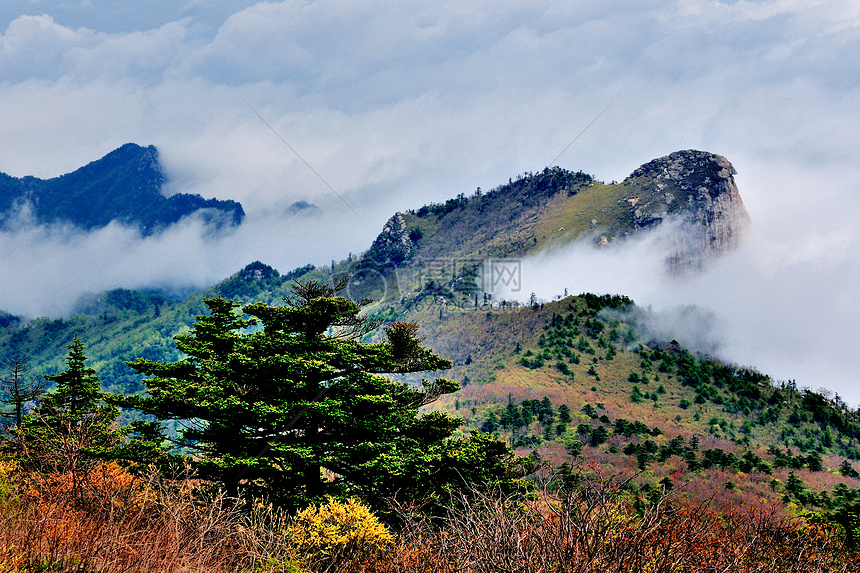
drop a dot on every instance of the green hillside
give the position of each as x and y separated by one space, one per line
576 380
121 325
573 381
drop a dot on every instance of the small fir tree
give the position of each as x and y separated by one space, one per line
72 429
19 388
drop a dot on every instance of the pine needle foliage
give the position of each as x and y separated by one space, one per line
288 403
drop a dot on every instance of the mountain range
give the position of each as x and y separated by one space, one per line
583 379
125 186
555 207
691 195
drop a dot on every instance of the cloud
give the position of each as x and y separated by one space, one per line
114 17
397 104
786 302
37 47
187 255
34 47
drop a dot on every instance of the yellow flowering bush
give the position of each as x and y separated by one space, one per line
337 535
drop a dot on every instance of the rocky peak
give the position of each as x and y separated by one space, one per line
393 245
689 170
697 187
257 271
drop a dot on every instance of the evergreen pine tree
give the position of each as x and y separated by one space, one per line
72 429
846 469
299 409
564 416
491 424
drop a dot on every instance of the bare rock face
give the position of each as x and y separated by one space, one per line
393 244
699 188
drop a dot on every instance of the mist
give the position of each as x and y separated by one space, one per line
48 267
396 105
785 302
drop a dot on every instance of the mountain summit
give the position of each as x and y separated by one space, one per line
696 186
554 207
124 186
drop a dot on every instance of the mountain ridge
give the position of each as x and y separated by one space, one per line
562 379
576 203
549 211
123 186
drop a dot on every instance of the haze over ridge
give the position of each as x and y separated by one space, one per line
402 104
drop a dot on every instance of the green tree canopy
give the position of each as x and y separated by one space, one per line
287 401
72 428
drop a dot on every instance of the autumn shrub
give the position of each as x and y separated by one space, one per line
600 526
584 525
110 521
101 487
337 536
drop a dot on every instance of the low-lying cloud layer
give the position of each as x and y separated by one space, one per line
47 268
785 302
396 104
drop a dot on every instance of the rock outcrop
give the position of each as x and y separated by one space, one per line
698 188
393 244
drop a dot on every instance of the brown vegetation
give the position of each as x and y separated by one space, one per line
594 528
111 521
116 522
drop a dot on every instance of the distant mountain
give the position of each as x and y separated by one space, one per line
123 186
553 208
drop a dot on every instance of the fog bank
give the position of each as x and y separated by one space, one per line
785 302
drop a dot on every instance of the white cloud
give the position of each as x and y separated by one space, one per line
400 103
34 47
144 56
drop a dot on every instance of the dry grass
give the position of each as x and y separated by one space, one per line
120 523
112 521
593 529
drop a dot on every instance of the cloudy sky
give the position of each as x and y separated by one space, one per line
396 104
